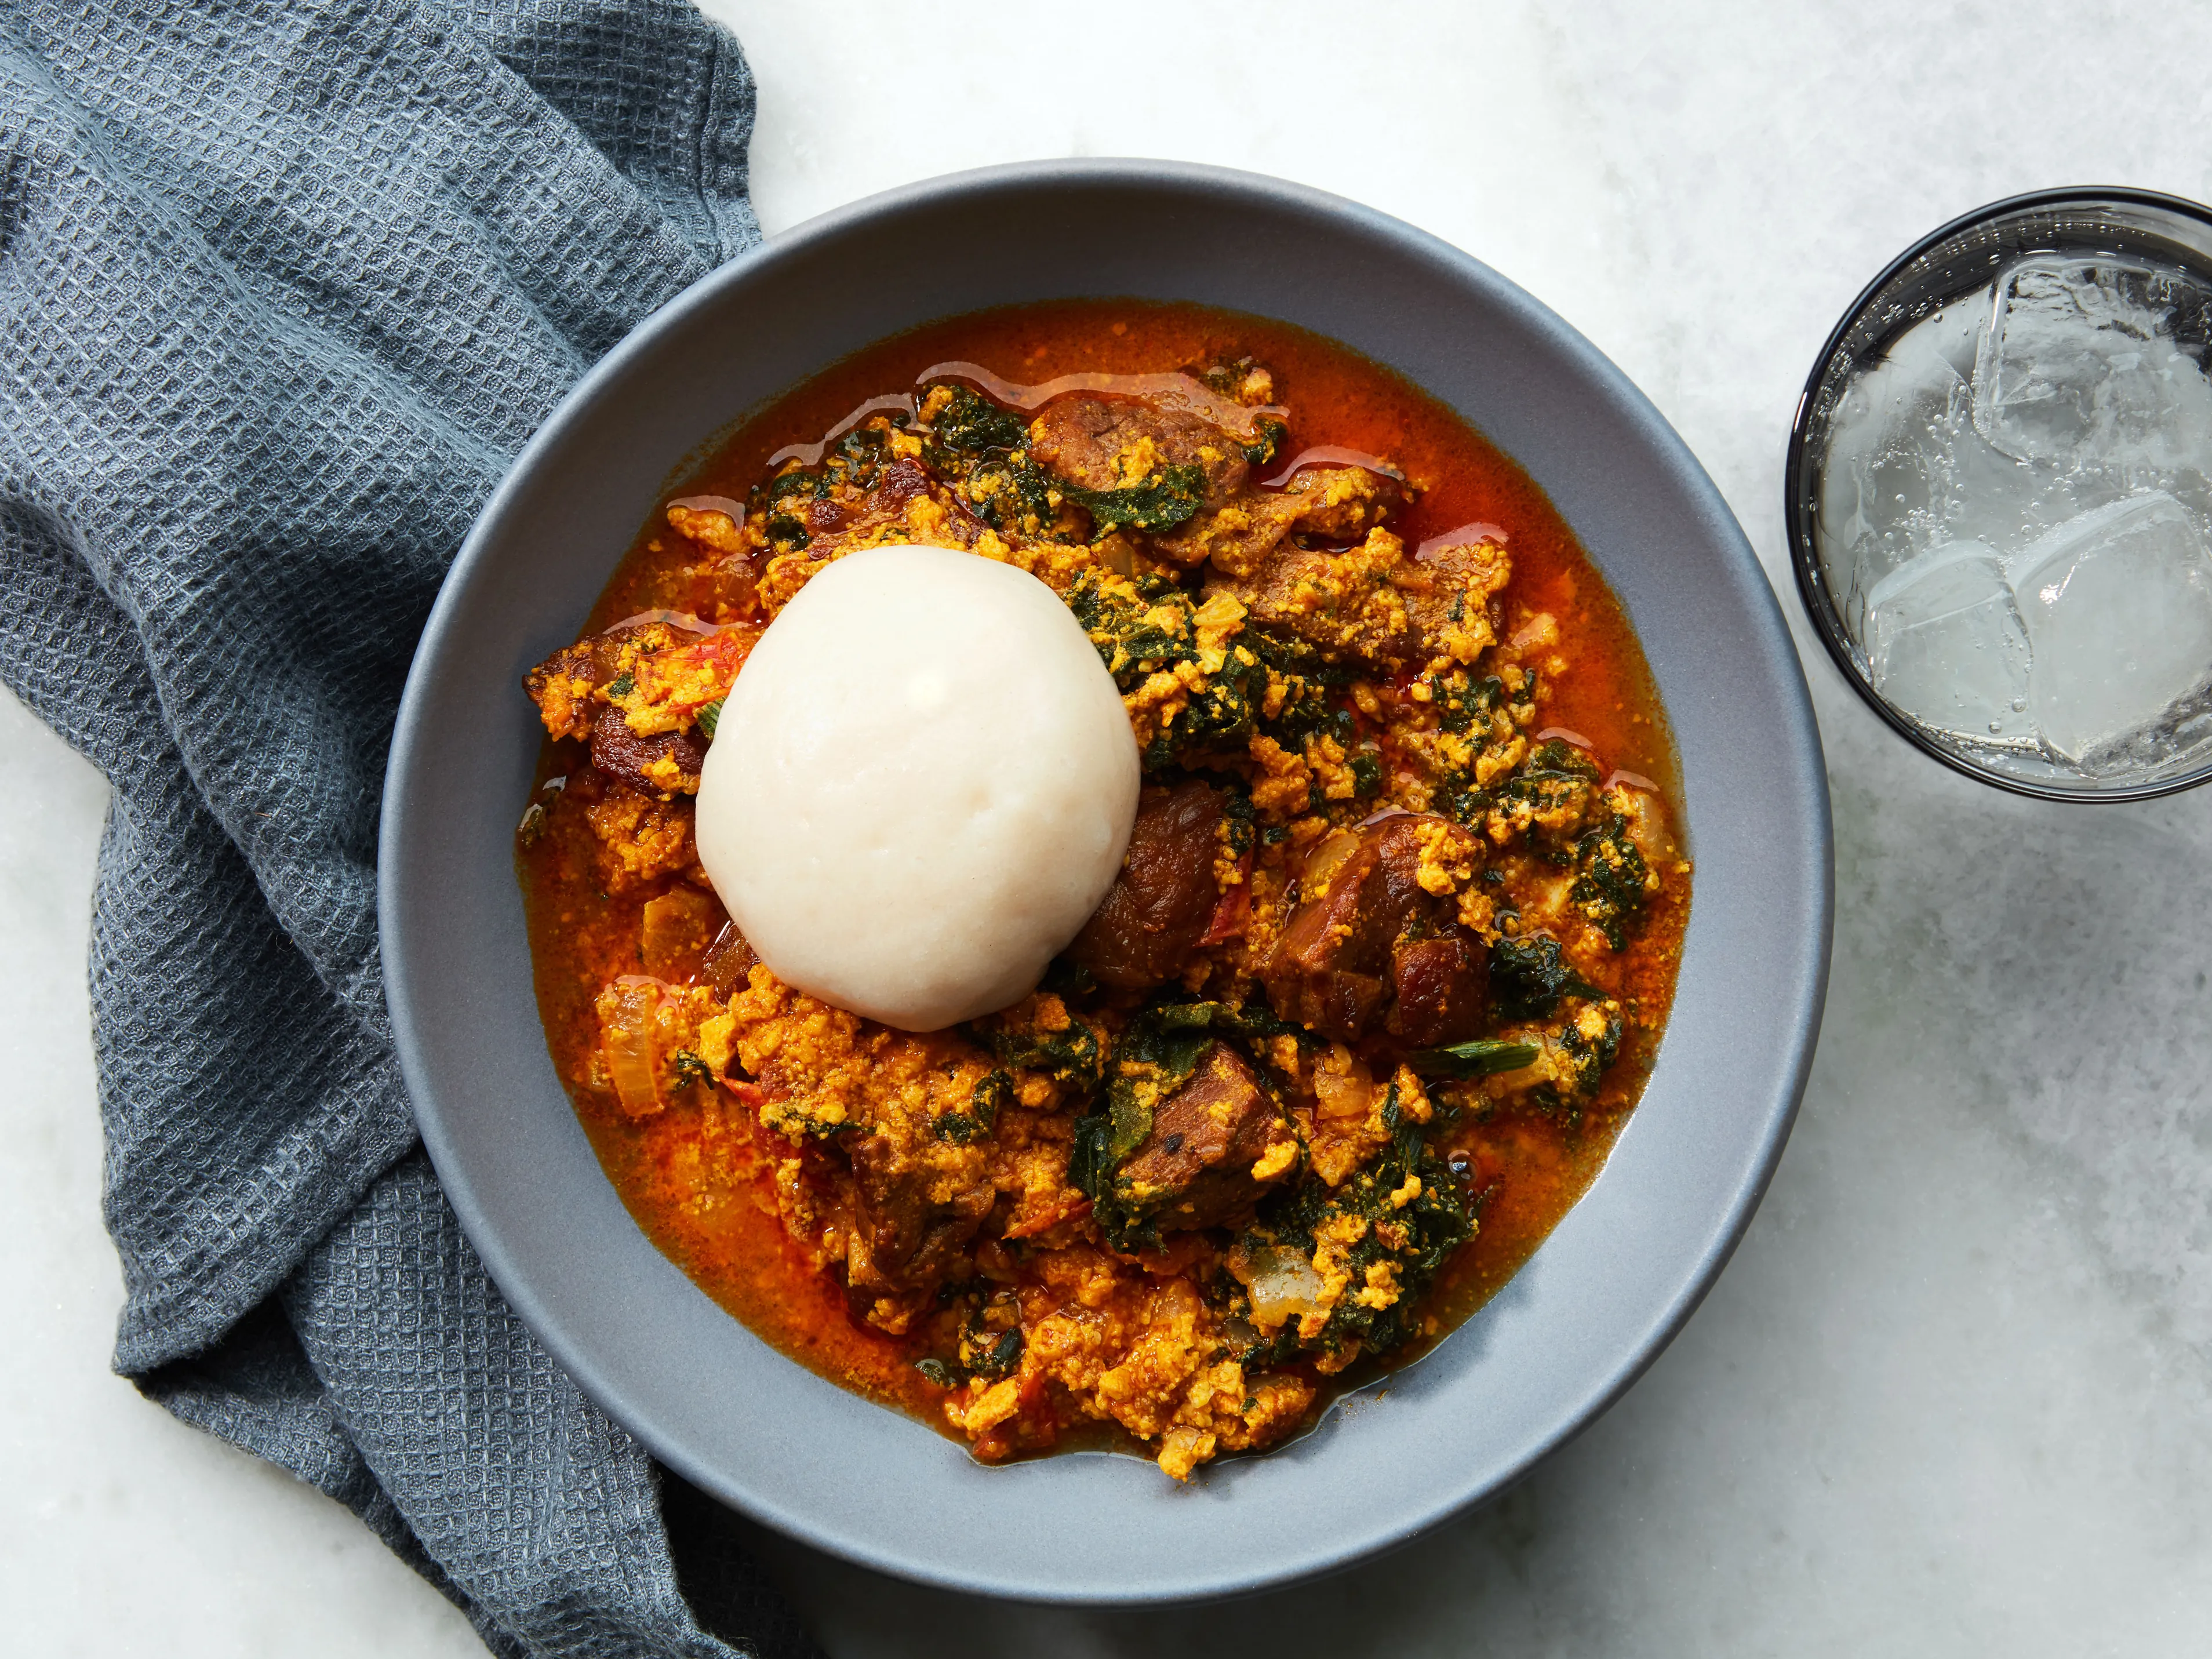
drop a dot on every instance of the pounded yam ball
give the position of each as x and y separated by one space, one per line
919 787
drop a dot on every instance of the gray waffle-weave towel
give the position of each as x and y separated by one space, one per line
286 286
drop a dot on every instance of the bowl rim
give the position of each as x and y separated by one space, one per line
1800 968
1804 548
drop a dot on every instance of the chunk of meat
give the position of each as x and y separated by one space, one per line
1374 602
1380 937
667 763
660 674
913 1219
884 503
729 961
1164 897
1107 443
862 1106
641 838
1326 969
1332 504
902 503
1441 988
1217 1144
563 685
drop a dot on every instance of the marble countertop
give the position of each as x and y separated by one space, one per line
1954 1393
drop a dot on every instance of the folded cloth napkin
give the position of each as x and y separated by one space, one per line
286 286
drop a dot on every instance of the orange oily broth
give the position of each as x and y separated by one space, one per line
698 1185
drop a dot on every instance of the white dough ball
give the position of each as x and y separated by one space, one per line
919 789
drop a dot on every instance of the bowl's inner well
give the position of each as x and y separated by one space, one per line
1612 1282
1563 1002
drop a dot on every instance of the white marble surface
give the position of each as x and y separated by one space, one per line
1955 1395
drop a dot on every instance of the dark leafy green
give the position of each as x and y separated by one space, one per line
1586 1058
1134 642
1610 889
970 424
988 1353
1158 1053
1530 977
1416 1238
1169 498
991 1095
1072 1056
1484 1057
1558 785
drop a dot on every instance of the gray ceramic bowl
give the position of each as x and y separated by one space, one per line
1599 1300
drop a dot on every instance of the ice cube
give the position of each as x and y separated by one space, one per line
2119 608
2079 365
1883 468
1952 333
1904 472
2002 502
1946 645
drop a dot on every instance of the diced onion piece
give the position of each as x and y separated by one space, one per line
1343 1086
630 1040
676 929
1283 1286
1323 862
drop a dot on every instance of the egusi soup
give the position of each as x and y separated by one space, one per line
1372 993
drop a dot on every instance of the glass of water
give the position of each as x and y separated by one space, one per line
1999 494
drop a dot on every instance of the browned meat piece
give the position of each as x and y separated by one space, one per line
1215 1143
1327 969
902 496
663 674
1374 940
1105 443
1442 987
1373 601
562 685
667 763
1159 907
641 838
1333 504
912 1220
854 515
729 961
851 516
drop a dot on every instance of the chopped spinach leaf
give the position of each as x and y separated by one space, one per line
1482 1058
991 1095
1612 886
1072 1056
1528 977
1411 1238
970 424
1170 497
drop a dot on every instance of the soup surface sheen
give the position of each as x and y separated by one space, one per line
1380 980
